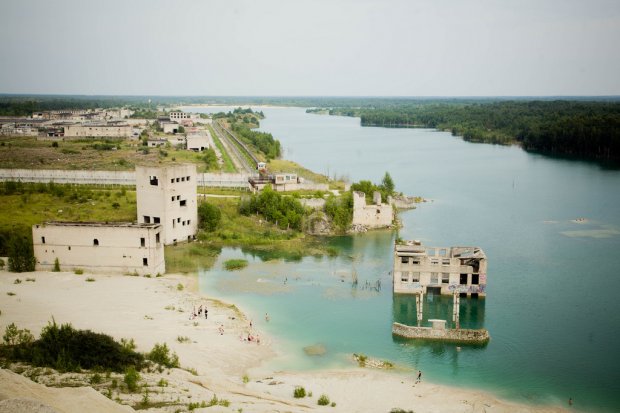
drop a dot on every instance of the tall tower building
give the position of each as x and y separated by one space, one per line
167 196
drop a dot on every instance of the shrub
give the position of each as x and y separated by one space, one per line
78 271
20 253
56 265
180 287
14 336
90 280
299 392
131 379
246 379
95 379
323 400
235 264
161 354
1 264
162 383
183 339
17 281
209 216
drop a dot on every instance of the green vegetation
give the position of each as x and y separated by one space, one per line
235 264
67 349
261 142
162 355
584 129
386 188
323 400
131 379
209 216
56 265
299 392
20 253
285 211
210 159
228 165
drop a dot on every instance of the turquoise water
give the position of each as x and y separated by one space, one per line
552 308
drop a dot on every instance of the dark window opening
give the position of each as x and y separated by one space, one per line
475 279
177 179
95 242
415 262
156 220
42 240
172 199
178 219
463 279
145 261
187 179
189 238
415 277
69 247
174 222
147 219
463 295
182 179
184 202
157 238
474 295
172 181
404 260
445 278
153 180
142 242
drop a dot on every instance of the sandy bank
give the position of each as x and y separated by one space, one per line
155 310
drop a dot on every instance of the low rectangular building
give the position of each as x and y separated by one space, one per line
112 130
375 215
446 270
120 247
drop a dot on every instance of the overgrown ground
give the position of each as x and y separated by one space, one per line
89 154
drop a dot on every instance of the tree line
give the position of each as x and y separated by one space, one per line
584 129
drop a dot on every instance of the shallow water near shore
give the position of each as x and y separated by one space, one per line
552 309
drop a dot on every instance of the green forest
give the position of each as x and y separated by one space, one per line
582 129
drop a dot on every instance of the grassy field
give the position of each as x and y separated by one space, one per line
228 165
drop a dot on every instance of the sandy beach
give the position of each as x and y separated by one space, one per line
157 310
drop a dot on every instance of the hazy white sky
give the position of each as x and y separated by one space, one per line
312 47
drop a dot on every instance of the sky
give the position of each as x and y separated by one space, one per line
311 47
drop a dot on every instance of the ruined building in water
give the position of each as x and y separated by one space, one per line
446 270
375 215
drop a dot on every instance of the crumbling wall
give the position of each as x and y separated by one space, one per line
377 215
428 333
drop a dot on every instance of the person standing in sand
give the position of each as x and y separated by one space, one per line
419 377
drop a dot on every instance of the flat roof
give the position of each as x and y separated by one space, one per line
98 224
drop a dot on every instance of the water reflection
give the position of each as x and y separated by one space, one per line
471 310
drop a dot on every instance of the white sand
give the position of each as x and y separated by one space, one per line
135 307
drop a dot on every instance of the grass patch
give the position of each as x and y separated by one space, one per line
184 339
299 392
323 400
90 279
78 271
235 264
228 165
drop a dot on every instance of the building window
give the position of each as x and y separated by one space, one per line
463 279
142 242
416 262
177 179
446 261
445 278
172 181
475 279
157 238
174 221
178 219
187 179
188 221
95 242
69 247
42 240
404 260
153 180
145 262
404 277
172 199
434 278
442 252
415 277
434 262
147 219
156 220
182 179
183 202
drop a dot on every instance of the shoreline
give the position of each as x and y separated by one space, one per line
156 310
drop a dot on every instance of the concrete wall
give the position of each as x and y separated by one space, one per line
69 177
425 267
454 335
372 216
119 247
168 196
118 131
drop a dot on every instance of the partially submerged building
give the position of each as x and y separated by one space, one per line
446 270
375 215
100 247
167 196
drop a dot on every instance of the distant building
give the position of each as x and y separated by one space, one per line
197 142
156 142
169 127
447 270
111 129
280 182
100 247
376 215
167 196
175 116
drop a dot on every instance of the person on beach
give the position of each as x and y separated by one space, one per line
266 317
570 401
419 377
206 313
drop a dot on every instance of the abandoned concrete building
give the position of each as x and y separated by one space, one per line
167 196
445 270
376 215
98 247
110 129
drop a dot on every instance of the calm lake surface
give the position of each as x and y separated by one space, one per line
552 305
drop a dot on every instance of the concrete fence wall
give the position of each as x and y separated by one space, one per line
112 177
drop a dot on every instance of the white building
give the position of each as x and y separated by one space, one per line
197 142
117 130
446 270
175 116
169 127
375 215
100 247
168 196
